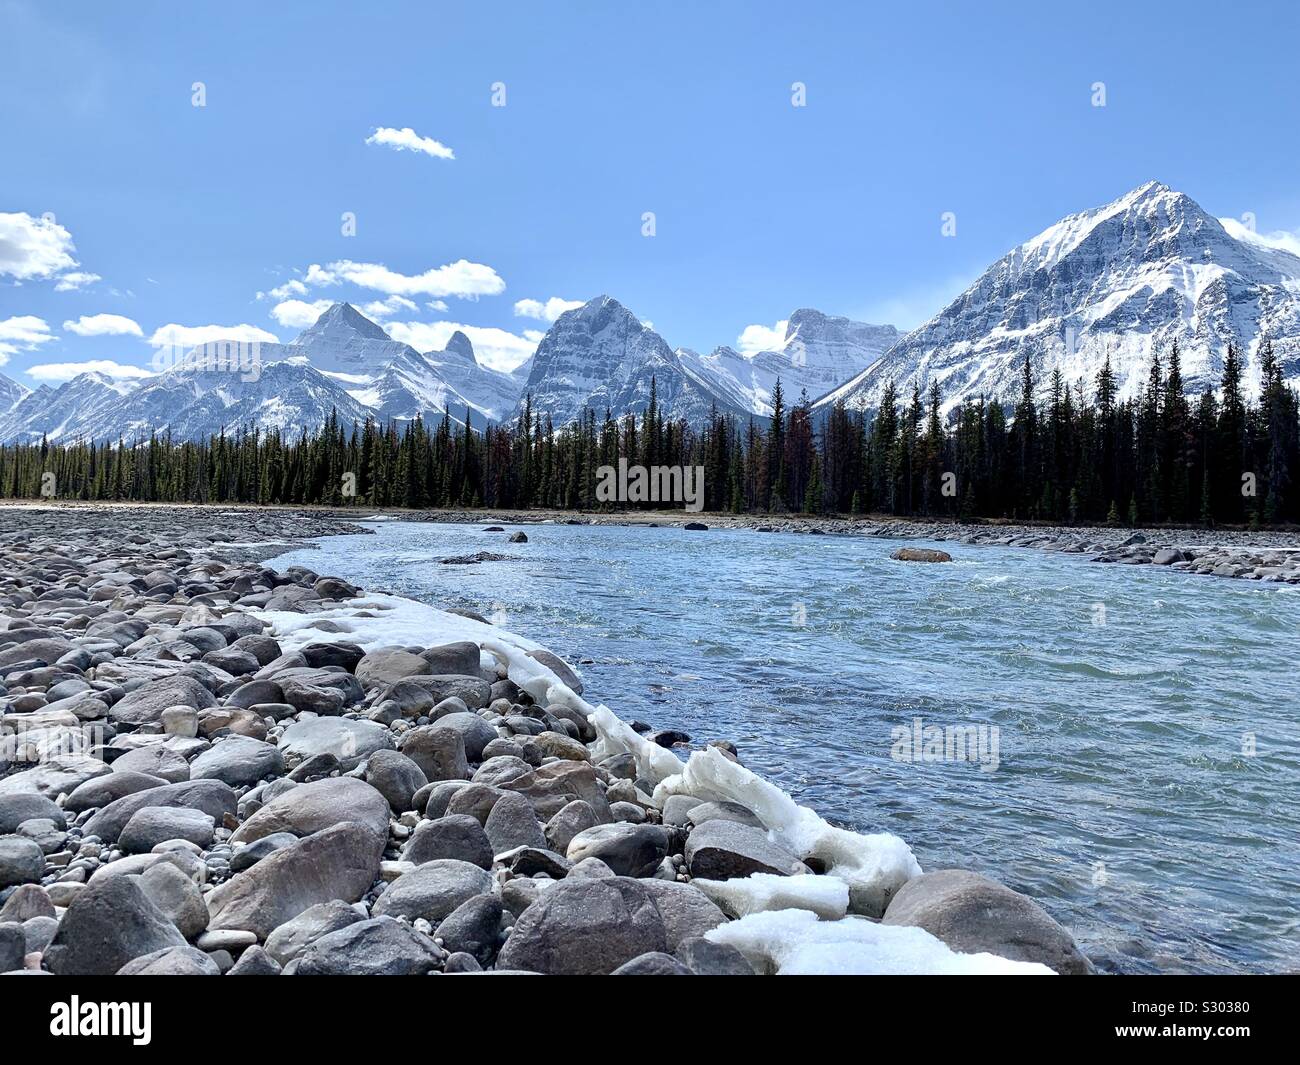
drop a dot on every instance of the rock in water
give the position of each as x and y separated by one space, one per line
920 554
972 913
585 928
109 923
559 667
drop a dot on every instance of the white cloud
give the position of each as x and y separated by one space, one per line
461 278
498 349
99 325
191 336
292 287
34 248
546 312
297 314
386 308
437 305
22 333
756 338
75 280
407 140
66 371
1281 239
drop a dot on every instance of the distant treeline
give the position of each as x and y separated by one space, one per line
1079 456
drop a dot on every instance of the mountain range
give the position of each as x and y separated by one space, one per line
343 363
1117 281
1122 280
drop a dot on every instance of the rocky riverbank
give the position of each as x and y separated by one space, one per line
211 767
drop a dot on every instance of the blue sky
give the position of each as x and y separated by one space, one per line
168 214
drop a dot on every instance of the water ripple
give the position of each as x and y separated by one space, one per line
1145 790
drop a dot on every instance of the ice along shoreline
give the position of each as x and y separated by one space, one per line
205 752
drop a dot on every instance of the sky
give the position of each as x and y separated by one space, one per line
172 173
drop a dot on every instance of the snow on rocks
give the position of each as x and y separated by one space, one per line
874 866
218 767
826 896
798 943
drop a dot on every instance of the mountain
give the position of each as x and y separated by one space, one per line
601 356
394 380
1125 279
818 353
344 363
10 393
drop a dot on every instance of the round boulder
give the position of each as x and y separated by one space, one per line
585 927
433 890
972 913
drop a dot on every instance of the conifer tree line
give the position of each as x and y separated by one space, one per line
1079 455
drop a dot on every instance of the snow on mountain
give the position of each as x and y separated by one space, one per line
601 356
488 391
10 393
1128 278
90 398
819 353
190 402
395 380
343 363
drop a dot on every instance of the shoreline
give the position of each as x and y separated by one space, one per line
1266 555
239 762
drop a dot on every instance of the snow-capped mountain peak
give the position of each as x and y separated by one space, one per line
818 353
11 393
601 356
343 363
343 321
1124 280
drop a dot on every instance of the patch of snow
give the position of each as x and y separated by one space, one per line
826 896
797 943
